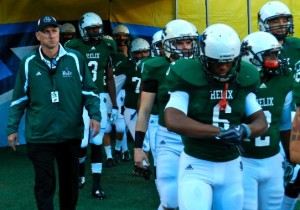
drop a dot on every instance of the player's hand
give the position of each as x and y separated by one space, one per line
140 157
94 127
234 134
13 140
113 115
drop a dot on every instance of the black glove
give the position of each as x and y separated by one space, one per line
234 134
288 171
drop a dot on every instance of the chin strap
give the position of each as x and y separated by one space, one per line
223 102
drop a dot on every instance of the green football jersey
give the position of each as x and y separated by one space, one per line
118 57
271 96
292 50
96 58
188 76
140 66
155 69
132 83
296 85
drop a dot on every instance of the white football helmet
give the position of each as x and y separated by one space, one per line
178 30
107 37
67 28
156 44
260 44
89 20
272 10
220 43
139 45
121 35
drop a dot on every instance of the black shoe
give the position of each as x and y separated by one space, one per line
145 173
126 156
81 182
117 156
98 193
109 163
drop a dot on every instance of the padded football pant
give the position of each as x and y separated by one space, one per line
168 149
42 157
263 183
209 185
96 147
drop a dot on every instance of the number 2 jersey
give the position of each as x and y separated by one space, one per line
204 96
271 96
96 57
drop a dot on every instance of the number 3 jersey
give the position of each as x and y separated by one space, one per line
203 106
96 57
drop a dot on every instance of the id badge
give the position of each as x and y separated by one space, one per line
54 97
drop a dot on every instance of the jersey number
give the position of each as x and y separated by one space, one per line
93 65
138 83
263 141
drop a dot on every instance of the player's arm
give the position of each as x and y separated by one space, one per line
147 99
110 82
285 123
177 120
295 138
256 119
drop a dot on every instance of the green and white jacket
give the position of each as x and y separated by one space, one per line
49 121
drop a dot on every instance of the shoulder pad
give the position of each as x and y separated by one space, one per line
155 68
190 70
110 43
293 41
248 75
73 43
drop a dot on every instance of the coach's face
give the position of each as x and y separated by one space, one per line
49 37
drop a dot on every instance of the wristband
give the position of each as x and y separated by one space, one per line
139 139
248 130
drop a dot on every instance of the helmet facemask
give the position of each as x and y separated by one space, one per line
271 11
90 27
208 63
157 49
282 31
171 48
271 62
139 45
122 39
264 51
95 34
121 35
220 44
174 34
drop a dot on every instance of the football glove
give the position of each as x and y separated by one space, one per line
234 134
113 116
288 171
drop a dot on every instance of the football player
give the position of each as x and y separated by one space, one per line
262 161
156 44
210 99
276 18
97 51
67 32
139 50
179 39
122 37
